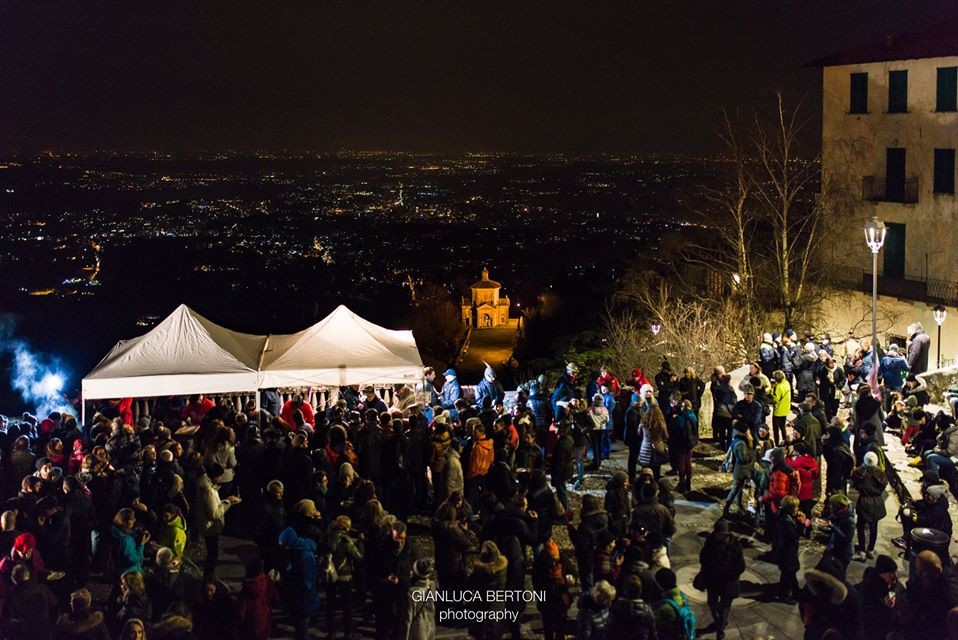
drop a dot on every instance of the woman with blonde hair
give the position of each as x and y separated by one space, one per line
347 551
134 629
692 387
132 603
654 451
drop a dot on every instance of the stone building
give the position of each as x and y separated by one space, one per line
486 308
889 135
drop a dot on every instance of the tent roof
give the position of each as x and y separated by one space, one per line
183 354
341 349
186 354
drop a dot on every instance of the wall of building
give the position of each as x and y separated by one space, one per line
854 145
853 313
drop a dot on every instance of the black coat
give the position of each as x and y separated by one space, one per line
563 458
870 482
452 542
789 531
723 563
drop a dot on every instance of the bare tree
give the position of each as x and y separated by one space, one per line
784 185
693 332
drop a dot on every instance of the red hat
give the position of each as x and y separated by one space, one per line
47 426
24 542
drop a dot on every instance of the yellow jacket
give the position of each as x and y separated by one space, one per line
781 399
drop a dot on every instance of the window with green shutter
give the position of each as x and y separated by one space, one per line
944 170
858 102
947 89
897 91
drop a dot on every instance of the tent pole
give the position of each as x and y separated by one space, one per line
82 414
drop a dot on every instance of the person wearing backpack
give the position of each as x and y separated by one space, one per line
343 552
723 562
740 460
674 619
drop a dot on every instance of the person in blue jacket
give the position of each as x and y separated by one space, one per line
893 369
565 386
489 391
300 580
451 390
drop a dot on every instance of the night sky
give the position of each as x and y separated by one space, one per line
426 76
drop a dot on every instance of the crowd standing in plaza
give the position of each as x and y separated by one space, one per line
113 529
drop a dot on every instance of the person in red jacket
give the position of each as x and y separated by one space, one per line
808 472
606 377
784 481
197 408
255 603
297 403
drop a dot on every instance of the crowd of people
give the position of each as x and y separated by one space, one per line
112 529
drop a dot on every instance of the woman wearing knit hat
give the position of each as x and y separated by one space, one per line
870 482
842 538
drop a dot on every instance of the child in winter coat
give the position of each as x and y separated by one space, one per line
790 523
593 620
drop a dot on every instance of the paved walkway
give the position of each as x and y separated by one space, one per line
754 615
486 345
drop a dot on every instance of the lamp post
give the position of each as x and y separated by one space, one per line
875 238
656 327
940 313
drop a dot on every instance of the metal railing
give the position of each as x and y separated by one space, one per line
913 287
876 189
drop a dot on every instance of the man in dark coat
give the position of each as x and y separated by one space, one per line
749 411
723 563
918 345
563 462
369 448
32 606
880 590
297 470
565 388
392 569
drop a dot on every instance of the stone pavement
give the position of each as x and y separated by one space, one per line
754 615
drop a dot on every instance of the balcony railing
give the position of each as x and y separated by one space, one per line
897 287
876 189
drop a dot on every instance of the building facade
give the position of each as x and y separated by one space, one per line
889 134
486 308
889 139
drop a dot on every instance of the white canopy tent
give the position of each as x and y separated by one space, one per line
187 354
182 355
342 349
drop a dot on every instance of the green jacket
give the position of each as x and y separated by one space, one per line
346 552
781 399
666 621
173 535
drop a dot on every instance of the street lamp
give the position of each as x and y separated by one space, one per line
875 238
656 327
940 313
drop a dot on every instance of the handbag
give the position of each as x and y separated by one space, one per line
699 581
